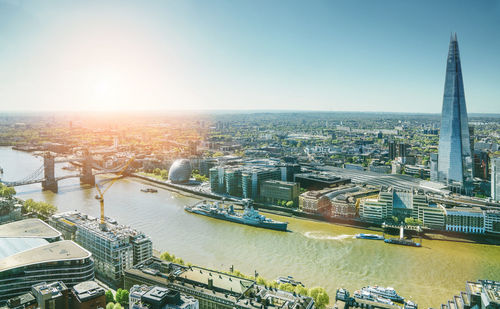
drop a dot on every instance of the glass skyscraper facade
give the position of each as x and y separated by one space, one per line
454 158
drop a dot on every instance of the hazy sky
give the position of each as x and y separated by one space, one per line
274 54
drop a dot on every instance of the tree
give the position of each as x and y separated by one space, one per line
157 171
118 306
286 287
110 305
7 192
124 297
289 204
109 297
167 257
300 289
217 154
164 174
121 296
41 208
321 298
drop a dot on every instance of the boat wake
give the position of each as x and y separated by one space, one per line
322 236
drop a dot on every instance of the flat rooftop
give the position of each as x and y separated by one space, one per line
114 231
34 228
13 245
88 290
219 280
65 250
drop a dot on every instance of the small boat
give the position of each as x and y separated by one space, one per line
369 236
290 280
149 190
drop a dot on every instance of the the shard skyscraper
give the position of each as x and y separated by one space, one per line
454 158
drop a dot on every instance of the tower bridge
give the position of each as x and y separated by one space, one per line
45 174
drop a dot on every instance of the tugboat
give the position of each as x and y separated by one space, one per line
369 236
249 216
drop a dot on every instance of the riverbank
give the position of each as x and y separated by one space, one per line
315 252
353 223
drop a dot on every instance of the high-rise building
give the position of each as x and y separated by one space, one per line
32 252
455 158
495 178
114 249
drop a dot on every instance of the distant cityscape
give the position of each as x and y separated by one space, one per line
419 177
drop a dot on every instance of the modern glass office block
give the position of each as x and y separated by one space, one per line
455 159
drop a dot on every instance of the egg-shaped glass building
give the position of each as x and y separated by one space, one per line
180 171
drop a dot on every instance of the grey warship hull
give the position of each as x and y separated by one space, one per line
273 225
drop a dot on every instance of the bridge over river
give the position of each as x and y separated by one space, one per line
45 174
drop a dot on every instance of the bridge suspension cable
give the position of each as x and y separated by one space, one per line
35 176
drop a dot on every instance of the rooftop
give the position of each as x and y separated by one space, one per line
225 287
88 290
114 231
34 228
465 211
54 288
65 250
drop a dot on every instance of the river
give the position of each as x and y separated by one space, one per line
316 253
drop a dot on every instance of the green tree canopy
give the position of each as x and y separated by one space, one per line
109 297
7 192
41 208
321 298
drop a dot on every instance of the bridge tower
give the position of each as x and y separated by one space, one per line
87 177
49 182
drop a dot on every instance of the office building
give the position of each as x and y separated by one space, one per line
114 249
492 221
23 301
392 150
288 171
495 179
180 171
432 216
318 181
483 294
213 289
88 295
402 204
31 252
315 202
455 157
233 182
274 191
54 295
10 210
241 181
481 164
155 297
402 150
434 167
465 219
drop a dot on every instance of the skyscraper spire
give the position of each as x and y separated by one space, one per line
455 156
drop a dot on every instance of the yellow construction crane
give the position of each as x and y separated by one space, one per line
102 225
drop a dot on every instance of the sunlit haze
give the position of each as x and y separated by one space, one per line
283 55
